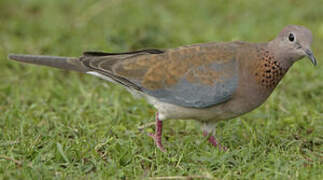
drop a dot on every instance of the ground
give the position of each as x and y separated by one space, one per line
66 125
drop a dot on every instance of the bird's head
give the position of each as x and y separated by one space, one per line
294 43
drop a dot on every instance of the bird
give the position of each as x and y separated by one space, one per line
207 82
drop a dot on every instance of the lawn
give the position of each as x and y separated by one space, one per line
67 125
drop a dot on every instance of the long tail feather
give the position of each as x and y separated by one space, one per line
68 63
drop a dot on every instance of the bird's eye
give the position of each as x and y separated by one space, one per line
291 37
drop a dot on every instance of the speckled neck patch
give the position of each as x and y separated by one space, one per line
269 71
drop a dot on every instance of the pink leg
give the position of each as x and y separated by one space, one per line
213 141
158 134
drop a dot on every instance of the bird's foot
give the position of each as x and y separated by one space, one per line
158 134
158 142
213 141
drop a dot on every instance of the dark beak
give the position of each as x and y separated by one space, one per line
310 55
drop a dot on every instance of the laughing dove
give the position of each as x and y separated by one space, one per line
206 82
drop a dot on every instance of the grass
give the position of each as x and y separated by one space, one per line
65 125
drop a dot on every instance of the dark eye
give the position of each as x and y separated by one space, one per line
291 37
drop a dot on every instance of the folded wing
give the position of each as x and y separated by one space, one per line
197 76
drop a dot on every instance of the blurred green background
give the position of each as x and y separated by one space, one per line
66 125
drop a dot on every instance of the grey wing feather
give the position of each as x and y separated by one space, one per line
198 95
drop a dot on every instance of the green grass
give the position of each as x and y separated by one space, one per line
66 125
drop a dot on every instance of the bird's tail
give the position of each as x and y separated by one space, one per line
68 63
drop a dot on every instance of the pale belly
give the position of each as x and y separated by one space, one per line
216 113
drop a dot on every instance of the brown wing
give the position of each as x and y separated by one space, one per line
192 76
163 70
197 76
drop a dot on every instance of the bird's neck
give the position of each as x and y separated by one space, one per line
270 66
280 53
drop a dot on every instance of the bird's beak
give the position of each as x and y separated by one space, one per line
310 55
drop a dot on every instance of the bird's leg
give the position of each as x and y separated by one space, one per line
210 134
158 134
213 141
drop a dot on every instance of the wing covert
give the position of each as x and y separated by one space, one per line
201 87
